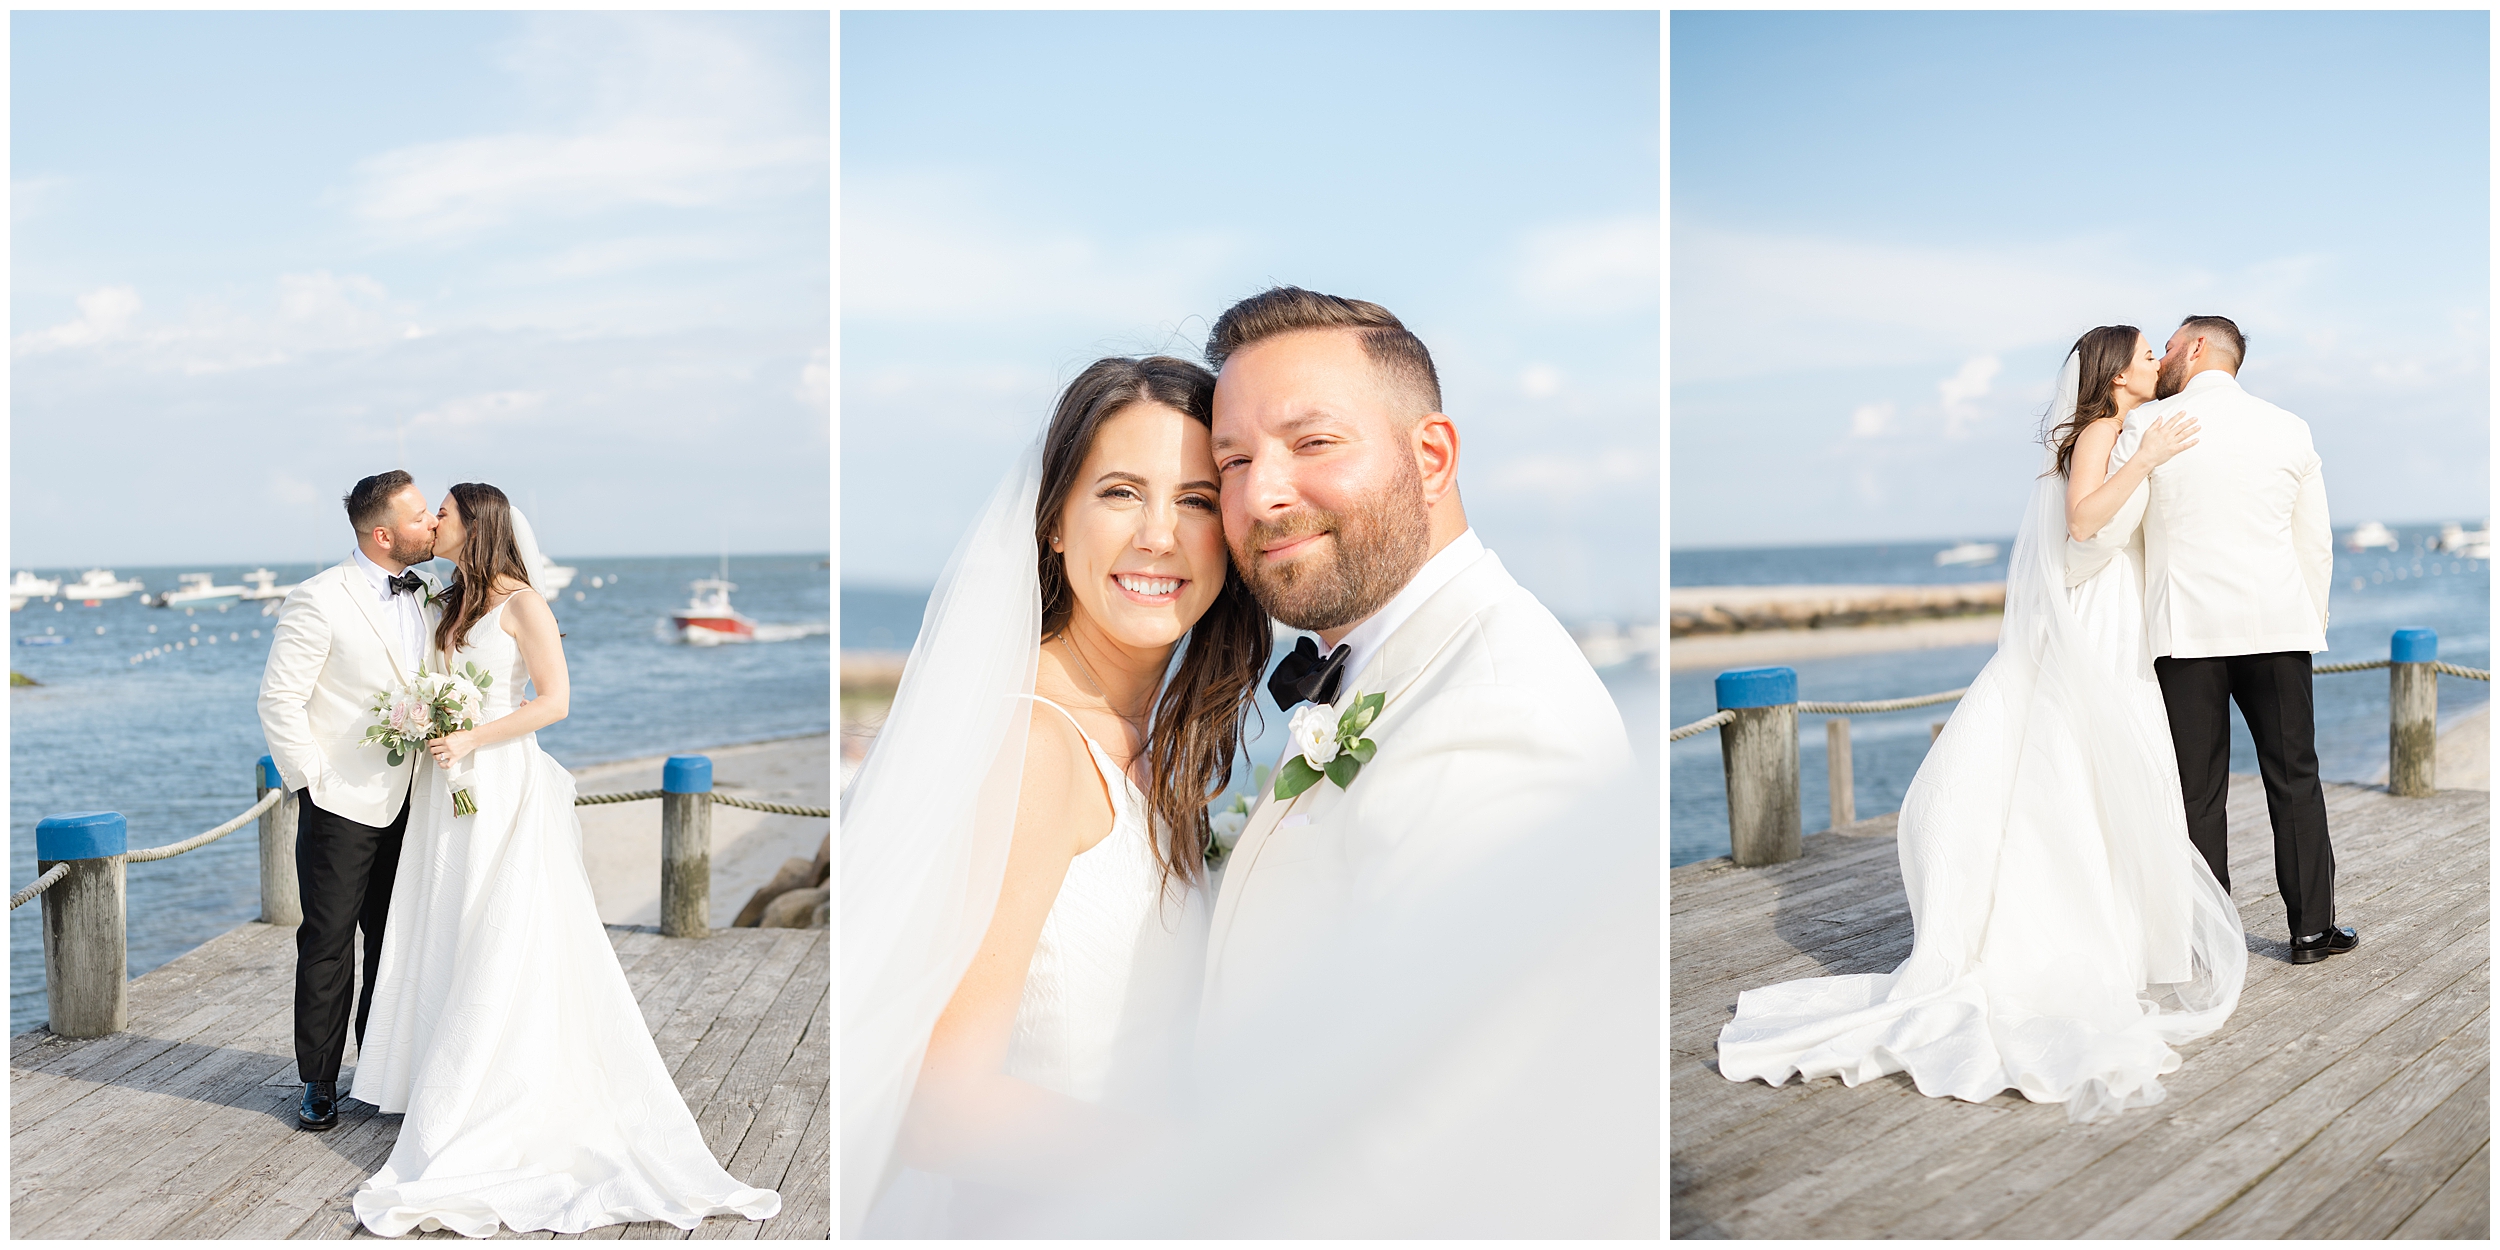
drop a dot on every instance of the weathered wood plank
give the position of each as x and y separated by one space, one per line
2393 1186
2461 1209
188 1131
2375 1044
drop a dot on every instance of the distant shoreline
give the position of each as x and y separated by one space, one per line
1761 646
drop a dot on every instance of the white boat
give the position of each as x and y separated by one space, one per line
1966 553
2456 540
707 618
16 601
2371 534
263 584
96 585
198 590
554 576
28 586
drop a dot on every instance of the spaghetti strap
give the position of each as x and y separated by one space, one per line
1103 763
1080 729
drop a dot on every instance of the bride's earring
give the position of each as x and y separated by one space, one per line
1054 542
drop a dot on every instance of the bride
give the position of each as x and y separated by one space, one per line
2068 935
1022 952
502 1024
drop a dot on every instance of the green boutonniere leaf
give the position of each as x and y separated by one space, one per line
1362 751
1342 769
1295 777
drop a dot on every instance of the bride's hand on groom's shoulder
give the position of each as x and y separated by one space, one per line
2166 438
452 747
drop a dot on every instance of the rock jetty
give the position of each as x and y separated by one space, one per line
1702 610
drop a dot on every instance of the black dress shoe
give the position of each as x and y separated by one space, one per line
2336 941
320 1112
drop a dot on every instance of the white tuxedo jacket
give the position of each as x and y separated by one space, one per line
1492 720
2237 553
316 694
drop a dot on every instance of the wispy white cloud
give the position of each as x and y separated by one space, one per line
1960 392
103 314
657 111
938 247
1600 268
487 408
1872 420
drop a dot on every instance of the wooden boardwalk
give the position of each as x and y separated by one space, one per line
184 1124
2344 1099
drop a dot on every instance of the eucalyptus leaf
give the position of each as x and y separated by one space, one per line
1296 777
395 758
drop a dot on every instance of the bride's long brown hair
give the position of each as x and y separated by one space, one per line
1198 720
2106 352
489 553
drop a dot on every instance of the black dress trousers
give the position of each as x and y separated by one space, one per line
2274 697
343 873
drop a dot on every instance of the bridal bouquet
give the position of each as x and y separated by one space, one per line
437 704
1224 824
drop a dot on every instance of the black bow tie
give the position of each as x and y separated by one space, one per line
407 584
1303 677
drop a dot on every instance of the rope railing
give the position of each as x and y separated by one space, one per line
250 814
779 809
41 884
1758 710
1884 705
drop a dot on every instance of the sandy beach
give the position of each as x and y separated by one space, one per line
621 841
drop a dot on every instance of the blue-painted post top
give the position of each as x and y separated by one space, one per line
269 772
1757 687
82 835
687 774
2414 646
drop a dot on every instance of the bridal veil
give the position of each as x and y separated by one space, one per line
927 822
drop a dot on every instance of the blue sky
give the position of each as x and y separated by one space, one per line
1885 229
256 255
1025 192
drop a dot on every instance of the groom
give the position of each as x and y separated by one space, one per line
345 635
2237 562
1341 506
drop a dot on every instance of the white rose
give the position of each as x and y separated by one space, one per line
1314 730
1227 826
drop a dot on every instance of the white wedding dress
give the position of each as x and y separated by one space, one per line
502 1024
2068 935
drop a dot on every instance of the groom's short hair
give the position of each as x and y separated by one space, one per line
369 504
2220 332
1390 346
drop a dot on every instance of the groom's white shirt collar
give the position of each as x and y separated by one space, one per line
2207 378
1447 563
406 613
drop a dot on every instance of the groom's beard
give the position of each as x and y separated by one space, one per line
2172 379
1374 551
415 553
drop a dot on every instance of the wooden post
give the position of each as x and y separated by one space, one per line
279 903
1844 788
1759 751
686 846
86 962
2412 713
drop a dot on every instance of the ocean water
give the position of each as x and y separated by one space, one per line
170 741
2374 595
885 618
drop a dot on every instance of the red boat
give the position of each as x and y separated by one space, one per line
707 618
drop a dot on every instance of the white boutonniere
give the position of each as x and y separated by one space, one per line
1332 745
